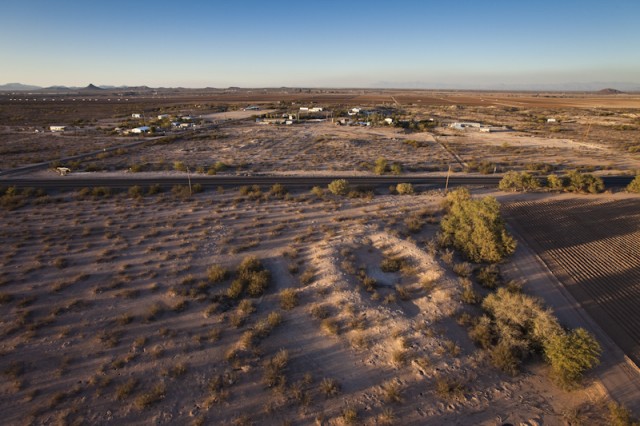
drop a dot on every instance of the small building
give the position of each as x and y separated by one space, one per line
252 108
304 109
388 120
139 130
136 115
315 109
163 116
465 125
551 120
354 111
57 128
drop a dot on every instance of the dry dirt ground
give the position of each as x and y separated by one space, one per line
594 132
108 317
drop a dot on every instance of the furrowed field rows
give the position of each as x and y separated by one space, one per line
593 248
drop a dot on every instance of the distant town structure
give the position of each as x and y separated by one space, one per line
138 130
136 115
57 128
163 116
551 120
252 108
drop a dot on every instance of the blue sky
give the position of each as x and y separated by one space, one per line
321 43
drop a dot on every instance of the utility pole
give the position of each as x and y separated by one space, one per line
446 186
189 178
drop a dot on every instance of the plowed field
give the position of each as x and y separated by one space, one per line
593 247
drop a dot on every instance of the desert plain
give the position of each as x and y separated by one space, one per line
268 304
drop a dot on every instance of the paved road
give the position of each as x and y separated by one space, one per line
86 180
618 374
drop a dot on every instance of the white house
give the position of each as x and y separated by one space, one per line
136 115
304 109
57 128
551 120
388 120
354 111
315 109
138 130
163 116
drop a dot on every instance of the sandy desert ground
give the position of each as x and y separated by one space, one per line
108 316
135 307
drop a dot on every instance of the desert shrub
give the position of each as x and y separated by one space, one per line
518 181
468 294
307 277
101 191
404 189
181 191
522 325
620 416
476 228
217 273
274 319
317 191
448 388
634 186
381 166
179 166
506 357
349 415
578 182
462 269
320 311
235 289
125 389
482 332
136 191
278 190
555 182
403 292
339 187
60 263
246 307
329 387
288 299
488 276
414 223
570 355
330 326
252 276
197 188
391 264
274 369
151 397
392 392
396 168
154 189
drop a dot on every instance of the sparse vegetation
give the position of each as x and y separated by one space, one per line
476 228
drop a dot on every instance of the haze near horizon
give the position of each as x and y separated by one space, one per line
374 44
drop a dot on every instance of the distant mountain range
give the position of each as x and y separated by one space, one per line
602 87
91 87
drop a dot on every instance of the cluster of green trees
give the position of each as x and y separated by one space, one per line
514 326
518 181
475 228
517 326
574 181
